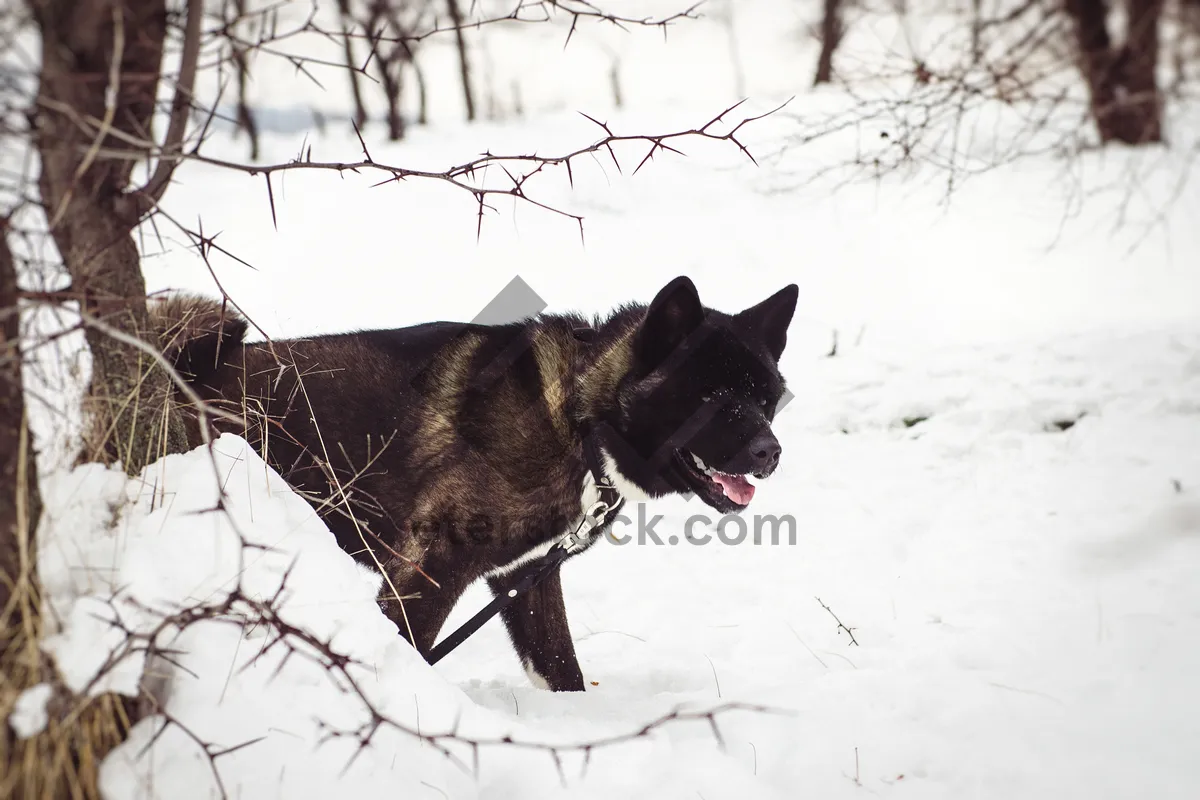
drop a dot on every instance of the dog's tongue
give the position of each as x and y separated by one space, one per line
736 487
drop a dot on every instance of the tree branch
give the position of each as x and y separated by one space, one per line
462 176
181 105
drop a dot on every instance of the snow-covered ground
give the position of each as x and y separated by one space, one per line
995 481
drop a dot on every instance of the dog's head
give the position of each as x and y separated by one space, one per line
694 411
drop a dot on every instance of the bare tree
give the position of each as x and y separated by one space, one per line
1009 81
392 50
726 18
241 62
830 36
1121 81
99 76
19 501
348 24
1190 14
391 28
464 64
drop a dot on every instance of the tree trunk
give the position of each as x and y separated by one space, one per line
1122 88
728 21
464 65
393 86
91 219
1142 101
976 32
19 501
614 80
831 36
245 118
360 110
1191 15
422 97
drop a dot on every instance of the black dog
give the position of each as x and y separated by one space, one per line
456 452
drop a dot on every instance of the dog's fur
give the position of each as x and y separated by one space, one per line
456 452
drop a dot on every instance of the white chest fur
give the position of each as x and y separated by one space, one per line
628 489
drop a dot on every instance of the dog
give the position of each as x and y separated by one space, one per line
445 453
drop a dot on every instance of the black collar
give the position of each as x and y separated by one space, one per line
592 456
591 445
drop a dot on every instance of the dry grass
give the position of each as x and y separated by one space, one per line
102 411
63 760
107 409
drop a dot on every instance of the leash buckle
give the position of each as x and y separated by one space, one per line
592 518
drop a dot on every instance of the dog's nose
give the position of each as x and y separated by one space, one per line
765 450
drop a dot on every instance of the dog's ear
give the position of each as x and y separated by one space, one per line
675 312
769 320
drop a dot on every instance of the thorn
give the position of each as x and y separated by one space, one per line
648 156
271 198
717 732
603 125
479 222
614 158
570 33
358 133
721 116
218 753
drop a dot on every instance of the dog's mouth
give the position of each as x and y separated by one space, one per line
723 491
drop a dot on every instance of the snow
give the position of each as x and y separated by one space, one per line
995 480
177 552
29 717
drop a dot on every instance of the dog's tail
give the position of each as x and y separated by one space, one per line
194 332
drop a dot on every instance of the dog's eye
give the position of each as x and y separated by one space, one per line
706 398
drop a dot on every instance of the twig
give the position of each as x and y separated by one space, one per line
841 627
716 680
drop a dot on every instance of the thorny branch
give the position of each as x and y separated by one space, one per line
237 607
542 11
464 176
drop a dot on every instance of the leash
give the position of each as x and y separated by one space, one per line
599 516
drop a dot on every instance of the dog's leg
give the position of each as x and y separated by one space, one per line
424 615
537 626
